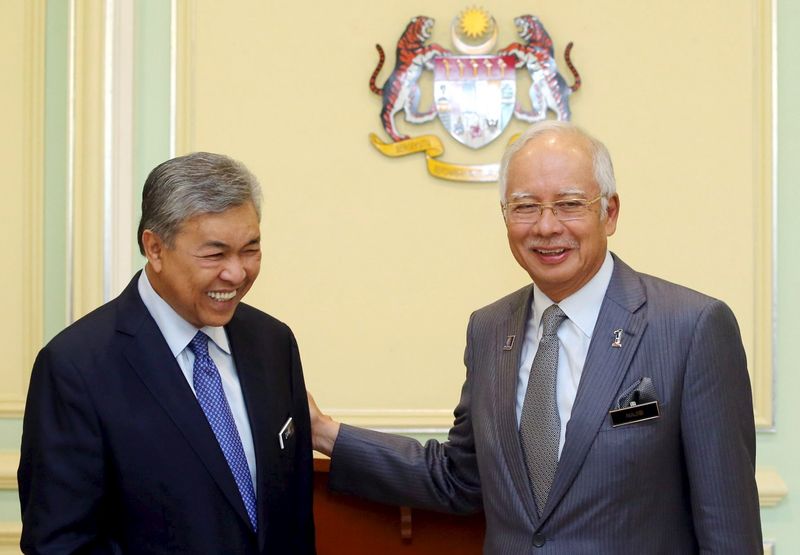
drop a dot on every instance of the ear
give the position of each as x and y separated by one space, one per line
612 214
153 249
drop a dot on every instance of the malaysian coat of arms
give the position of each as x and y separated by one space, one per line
474 93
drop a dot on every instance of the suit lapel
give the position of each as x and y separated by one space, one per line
151 358
508 368
267 406
602 375
262 367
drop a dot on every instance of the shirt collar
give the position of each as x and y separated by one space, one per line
176 331
583 306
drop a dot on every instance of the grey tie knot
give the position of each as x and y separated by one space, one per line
199 345
551 319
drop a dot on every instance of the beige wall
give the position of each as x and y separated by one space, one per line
377 266
21 152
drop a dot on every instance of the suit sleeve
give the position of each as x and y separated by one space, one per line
61 473
401 471
718 433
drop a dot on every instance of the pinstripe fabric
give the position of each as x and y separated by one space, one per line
681 484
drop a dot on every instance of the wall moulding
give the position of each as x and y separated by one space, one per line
8 470
9 538
86 130
764 196
771 486
183 74
425 421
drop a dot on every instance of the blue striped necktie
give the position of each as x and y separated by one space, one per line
211 396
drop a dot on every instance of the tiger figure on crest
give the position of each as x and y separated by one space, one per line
401 89
548 89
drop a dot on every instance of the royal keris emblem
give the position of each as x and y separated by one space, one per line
474 90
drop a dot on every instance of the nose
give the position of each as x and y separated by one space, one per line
548 224
233 271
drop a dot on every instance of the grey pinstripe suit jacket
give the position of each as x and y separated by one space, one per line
683 483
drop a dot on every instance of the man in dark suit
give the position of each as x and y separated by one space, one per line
604 411
174 419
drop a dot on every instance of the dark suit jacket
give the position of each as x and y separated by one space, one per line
680 484
118 457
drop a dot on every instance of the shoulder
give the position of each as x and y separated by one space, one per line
251 314
675 298
511 301
250 321
88 332
88 348
632 290
114 321
503 308
678 309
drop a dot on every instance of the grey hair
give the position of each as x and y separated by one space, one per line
601 159
198 183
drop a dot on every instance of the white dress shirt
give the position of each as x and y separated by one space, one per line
178 333
574 335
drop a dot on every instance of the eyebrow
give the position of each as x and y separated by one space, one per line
223 245
561 194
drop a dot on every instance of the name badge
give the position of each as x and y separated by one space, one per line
633 414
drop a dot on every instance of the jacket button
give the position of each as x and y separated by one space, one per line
538 540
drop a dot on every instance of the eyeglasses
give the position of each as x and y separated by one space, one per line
526 212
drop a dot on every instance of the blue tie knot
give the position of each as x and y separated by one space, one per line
199 345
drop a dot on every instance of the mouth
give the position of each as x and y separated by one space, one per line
222 296
551 255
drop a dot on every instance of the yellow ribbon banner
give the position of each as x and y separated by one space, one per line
476 173
432 146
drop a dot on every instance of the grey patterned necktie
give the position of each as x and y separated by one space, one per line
540 426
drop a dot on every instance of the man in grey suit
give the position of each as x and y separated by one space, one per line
604 411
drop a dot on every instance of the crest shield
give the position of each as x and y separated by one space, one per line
475 96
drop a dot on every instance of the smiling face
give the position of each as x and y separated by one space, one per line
213 262
560 257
